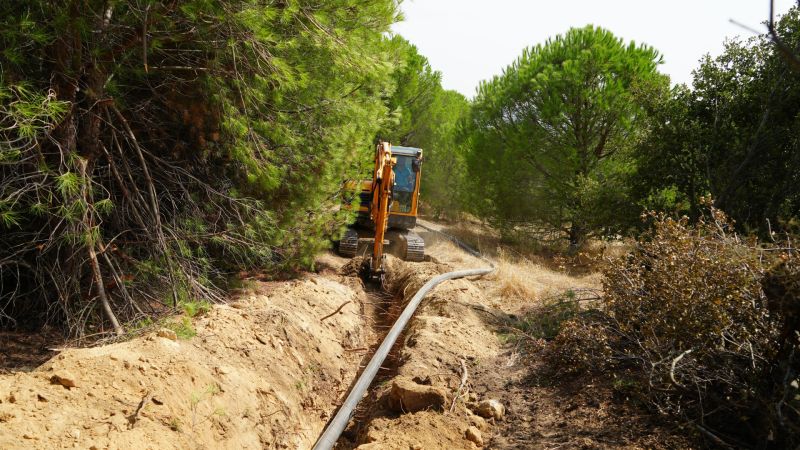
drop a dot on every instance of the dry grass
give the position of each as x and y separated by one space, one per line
520 283
447 252
553 255
477 236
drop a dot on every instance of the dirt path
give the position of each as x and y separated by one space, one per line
427 401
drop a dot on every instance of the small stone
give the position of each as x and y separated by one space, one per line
490 409
75 433
167 334
65 379
474 435
238 305
478 421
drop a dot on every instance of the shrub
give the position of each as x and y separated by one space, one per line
582 345
710 329
160 150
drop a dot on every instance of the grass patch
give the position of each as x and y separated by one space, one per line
544 322
183 328
195 308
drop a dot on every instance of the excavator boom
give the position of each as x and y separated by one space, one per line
381 198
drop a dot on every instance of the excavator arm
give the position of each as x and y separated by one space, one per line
382 187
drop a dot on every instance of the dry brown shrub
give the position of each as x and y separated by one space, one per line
687 308
581 346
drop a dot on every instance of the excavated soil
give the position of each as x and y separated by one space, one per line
263 372
460 327
446 336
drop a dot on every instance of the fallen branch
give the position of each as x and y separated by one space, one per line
135 416
101 290
675 362
90 247
335 312
357 349
464 377
714 438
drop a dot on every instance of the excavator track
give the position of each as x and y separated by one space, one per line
349 243
415 247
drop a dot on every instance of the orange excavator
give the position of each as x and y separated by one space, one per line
387 209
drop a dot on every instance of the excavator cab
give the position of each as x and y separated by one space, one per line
400 190
407 172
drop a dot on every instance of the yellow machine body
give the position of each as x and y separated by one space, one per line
388 206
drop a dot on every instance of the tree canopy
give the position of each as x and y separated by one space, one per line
158 146
734 136
551 137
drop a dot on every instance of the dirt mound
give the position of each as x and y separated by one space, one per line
418 431
264 372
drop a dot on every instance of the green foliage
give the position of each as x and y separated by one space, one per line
213 139
423 114
68 184
551 138
733 135
8 218
196 307
183 328
445 178
545 322
416 89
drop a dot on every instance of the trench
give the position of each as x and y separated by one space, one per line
351 415
382 306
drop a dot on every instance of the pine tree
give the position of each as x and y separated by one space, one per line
151 149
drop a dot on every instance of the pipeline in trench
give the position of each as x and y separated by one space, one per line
339 422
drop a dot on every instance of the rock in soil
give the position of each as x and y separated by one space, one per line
490 409
478 421
65 379
473 434
408 396
167 333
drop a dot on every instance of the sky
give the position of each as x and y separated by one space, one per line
472 40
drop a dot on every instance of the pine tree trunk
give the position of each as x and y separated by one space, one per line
577 236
